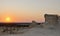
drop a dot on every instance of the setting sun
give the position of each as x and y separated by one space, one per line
8 19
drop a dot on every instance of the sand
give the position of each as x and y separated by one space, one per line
37 32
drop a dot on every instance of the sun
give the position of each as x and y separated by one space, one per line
8 19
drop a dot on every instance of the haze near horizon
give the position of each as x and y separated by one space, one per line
27 10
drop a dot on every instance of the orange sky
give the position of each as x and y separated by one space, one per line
28 10
20 18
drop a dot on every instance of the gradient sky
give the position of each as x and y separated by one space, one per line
28 10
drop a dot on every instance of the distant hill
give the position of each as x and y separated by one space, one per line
15 24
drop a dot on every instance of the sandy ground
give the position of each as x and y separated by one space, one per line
37 32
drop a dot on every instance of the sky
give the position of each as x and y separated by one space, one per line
28 10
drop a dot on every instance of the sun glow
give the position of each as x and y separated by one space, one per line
8 19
